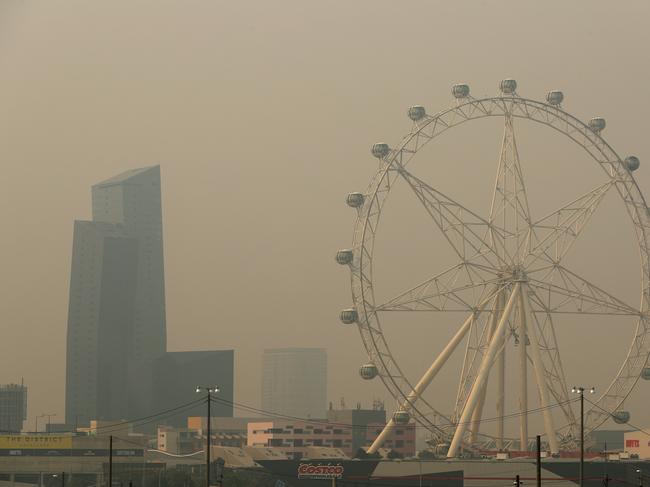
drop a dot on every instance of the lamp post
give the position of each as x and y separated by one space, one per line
581 392
62 478
209 390
638 470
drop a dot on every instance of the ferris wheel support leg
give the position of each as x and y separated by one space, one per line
501 381
482 376
523 379
426 379
540 378
478 412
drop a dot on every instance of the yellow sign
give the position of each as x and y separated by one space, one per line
47 442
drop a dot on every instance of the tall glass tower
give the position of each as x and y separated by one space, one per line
294 382
116 316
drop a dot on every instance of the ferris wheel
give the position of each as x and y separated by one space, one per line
510 282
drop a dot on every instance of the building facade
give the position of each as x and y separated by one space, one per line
294 382
116 315
13 407
637 444
295 437
176 375
117 366
360 421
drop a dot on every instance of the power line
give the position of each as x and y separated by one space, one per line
273 414
647 433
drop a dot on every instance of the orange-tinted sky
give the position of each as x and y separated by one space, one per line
261 115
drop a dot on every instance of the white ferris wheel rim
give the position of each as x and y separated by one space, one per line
468 109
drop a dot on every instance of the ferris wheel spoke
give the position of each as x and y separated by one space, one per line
563 291
469 235
478 340
554 234
459 288
551 360
509 210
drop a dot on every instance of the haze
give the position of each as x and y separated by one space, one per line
261 115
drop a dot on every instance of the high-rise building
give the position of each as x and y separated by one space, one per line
13 407
116 316
176 375
294 382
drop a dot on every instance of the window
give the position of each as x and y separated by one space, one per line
399 443
337 443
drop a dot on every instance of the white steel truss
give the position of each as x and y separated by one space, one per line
510 278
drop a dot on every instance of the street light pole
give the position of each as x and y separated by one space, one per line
209 390
581 392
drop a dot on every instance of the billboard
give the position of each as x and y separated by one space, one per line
25 442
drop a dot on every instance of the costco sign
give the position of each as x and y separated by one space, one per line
318 471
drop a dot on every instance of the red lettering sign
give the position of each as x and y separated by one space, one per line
631 443
311 471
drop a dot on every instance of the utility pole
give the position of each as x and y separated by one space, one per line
110 461
581 392
539 461
209 446
209 390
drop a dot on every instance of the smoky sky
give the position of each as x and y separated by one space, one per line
261 115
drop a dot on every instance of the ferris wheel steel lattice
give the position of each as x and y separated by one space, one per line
510 280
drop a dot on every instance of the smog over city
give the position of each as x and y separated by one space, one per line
418 227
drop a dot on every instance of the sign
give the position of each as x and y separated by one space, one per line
631 443
22 442
319 471
74 452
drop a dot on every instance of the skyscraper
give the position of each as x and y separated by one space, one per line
116 316
177 374
13 407
294 382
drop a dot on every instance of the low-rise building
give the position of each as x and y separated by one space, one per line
179 441
637 443
401 440
225 431
296 437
